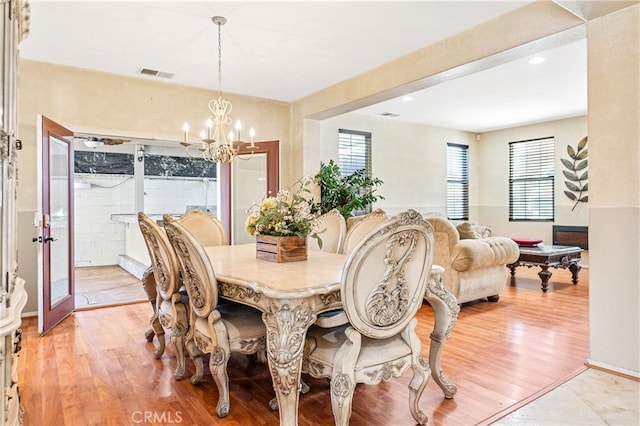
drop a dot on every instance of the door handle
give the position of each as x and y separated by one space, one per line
47 239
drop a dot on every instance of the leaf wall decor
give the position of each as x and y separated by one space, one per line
576 174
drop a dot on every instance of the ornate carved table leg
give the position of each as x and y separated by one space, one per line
544 275
574 268
446 309
287 324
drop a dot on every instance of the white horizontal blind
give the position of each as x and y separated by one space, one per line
354 153
531 180
457 182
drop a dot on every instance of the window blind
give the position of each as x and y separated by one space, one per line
354 153
531 180
457 182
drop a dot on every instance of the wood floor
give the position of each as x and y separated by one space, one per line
96 368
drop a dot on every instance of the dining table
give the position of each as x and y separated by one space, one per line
291 295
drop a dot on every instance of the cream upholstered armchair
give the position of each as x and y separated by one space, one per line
163 279
332 228
382 285
215 329
475 268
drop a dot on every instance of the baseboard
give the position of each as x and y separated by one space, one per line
628 374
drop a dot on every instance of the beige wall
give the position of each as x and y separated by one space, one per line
410 159
614 205
95 102
612 127
107 102
493 202
465 53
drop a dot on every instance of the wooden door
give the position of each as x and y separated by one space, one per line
56 298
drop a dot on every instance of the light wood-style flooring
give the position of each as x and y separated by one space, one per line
99 286
96 367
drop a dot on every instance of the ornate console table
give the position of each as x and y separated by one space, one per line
549 257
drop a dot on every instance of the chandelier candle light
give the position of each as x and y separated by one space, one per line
218 145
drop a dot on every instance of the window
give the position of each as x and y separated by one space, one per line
531 180
354 153
457 182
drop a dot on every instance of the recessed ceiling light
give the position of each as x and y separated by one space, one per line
537 60
407 98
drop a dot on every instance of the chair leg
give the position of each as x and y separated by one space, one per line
343 380
177 338
342 388
421 372
149 287
196 357
218 366
178 333
158 331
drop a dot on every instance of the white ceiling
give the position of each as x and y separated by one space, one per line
288 50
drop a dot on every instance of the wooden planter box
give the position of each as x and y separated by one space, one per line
281 249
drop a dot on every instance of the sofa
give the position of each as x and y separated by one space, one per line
475 267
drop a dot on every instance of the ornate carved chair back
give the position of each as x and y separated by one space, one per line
385 278
207 229
360 227
197 273
216 330
332 228
170 308
163 259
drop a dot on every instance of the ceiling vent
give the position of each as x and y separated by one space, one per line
389 114
154 73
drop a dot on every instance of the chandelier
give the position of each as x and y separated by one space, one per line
218 144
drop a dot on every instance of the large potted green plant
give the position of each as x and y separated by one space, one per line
345 193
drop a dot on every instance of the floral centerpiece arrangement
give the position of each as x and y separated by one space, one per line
290 213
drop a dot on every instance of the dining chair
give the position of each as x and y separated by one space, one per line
171 305
207 229
359 226
331 228
382 288
217 330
